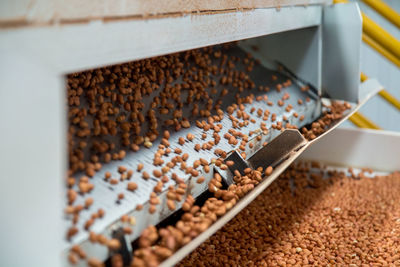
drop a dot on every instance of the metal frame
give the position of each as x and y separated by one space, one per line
33 113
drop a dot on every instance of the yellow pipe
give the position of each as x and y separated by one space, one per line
363 121
384 94
390 98
370 123
379 39
363 77
385 10
357 122
368 40
381 36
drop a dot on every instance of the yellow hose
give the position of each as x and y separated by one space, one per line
363 122
357 122
390 98
381 36
368 40
385 10
385 94
379 39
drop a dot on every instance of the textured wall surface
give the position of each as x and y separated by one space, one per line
374 65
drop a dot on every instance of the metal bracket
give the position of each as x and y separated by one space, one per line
125 249
278 149
240 164
273 154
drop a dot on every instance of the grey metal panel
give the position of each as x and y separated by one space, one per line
299 50
341 38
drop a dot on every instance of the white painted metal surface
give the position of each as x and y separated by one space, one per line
358 148
32 162
71 48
